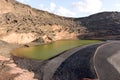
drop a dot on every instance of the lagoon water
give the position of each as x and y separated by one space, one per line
46 51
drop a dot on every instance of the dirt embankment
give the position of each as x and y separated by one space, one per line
10 71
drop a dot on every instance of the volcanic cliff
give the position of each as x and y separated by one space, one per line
105 25
22 24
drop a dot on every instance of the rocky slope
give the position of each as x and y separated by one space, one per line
31 24
105 25
27 24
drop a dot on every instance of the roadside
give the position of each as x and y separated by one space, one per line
106 61
39 69
8 69
78 66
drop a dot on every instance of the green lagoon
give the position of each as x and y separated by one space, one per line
46 51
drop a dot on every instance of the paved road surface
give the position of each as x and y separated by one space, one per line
50 68
107 61
77 66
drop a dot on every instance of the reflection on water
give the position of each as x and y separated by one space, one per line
46 51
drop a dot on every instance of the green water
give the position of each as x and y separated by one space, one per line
46 51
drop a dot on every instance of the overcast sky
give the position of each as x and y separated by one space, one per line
74 8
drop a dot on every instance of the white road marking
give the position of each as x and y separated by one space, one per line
115 61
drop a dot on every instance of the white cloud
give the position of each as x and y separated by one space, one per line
59 10
81 7
64 12
117 5
52 6
43 7
88 6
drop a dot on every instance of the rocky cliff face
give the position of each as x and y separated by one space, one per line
29 24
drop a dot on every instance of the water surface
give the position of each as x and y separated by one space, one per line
46 51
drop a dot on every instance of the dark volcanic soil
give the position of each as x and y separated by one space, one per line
77 66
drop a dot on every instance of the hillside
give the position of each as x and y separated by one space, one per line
27 24
104 25
22 24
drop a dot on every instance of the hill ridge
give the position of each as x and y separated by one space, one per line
29 24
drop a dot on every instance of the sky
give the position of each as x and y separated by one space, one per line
74 8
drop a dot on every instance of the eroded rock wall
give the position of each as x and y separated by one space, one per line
22 23
20 38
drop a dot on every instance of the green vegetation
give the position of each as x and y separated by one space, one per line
46 51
